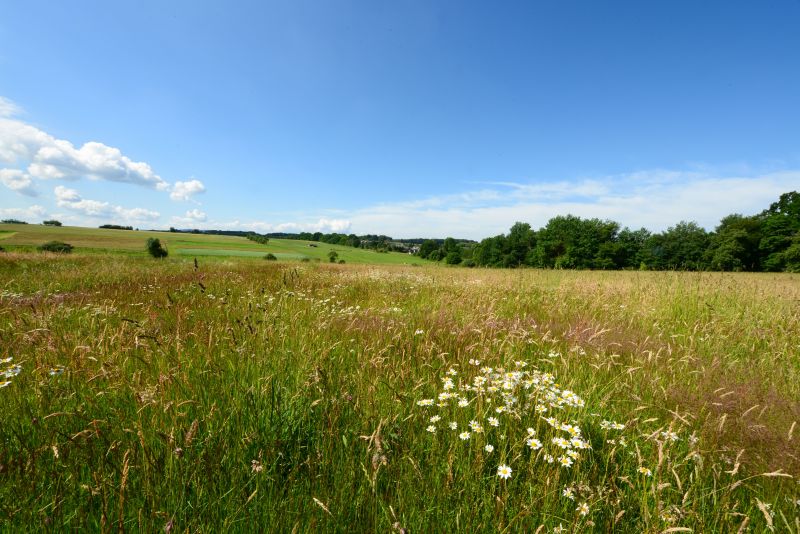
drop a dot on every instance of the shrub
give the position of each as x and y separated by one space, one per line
341 261
155 248
56 246
51 222
270 257
333 256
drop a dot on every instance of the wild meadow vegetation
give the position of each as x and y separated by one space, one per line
244 395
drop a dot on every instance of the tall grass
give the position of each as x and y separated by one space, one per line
248 396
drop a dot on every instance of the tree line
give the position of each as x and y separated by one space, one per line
768 241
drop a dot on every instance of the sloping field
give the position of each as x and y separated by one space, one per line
146 395
27 236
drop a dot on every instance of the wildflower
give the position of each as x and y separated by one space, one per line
431 429
12 371
534 444
489 448
549 458
4 384
645 471
55 371
425 402
559 529
565 461
541 408
453 425
494 421
435 419
583 509
503 471
452 372
419 332
668 516
568 493
448 384
572 429
464 436
500 409
6 360
560 442
463 403
256 466
669 435
572 453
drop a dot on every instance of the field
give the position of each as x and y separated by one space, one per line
103 241
244 395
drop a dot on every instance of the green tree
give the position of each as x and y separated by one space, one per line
155 248
427 248
333 256
734 246
780 224
680 247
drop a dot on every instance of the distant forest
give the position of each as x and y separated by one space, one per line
768 241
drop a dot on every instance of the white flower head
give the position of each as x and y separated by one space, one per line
504 472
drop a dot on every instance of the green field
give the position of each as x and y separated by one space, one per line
248 396
97 240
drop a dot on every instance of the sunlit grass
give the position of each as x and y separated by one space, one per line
247 395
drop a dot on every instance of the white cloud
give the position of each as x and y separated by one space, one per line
45 157
71 200
652 199
31 212
322 225
18 181
190 218
185 190
8 108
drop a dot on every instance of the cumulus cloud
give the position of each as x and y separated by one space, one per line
190 218
31 212
653 199
72 200
18 181
185 190
42 156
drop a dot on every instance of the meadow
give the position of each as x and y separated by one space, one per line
244 395
26 237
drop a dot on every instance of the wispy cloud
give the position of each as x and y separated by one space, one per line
321 225
652 199
96 209
31 213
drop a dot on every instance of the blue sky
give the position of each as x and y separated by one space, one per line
409 118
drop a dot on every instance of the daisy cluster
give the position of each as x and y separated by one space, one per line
10 371
490 406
